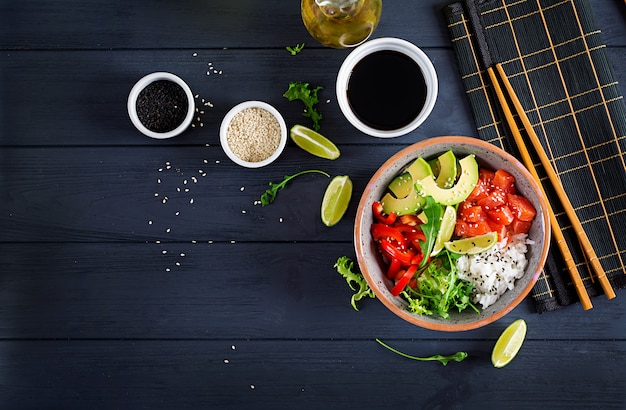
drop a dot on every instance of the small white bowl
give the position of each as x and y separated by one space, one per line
224 133
387 44
143 83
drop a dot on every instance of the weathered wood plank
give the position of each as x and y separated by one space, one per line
219 23
337 374
223 291
79 97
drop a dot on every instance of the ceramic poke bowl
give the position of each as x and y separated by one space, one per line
374 266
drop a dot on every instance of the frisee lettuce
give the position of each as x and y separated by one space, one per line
439 288
355 279
301 91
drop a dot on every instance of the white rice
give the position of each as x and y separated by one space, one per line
494 272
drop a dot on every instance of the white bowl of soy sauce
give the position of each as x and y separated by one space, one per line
161 105
387 87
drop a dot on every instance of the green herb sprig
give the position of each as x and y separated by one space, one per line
457 357
295 49
344 266
301 91
270 194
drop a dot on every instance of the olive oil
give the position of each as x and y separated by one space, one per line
341 23
387 90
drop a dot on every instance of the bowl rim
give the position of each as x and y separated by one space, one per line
364 206
143 82
394 44
229 117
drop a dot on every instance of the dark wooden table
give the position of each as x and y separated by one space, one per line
110 298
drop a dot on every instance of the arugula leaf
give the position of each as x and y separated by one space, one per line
295 49
433 211
301 91
457 357
344 266
270 194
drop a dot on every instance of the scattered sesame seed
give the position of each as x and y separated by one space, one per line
195 55
243 211
160 169
158 180
163 252
177 213
226 361
232 241
252 386
156 194
182 254
217 162
233 347
242 188
191 201
149 222
177 263
280 220
206 161
168 230
157 241
210 242
186 189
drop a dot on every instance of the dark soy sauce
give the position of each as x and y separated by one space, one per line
387 90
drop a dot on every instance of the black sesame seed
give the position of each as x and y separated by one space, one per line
162 106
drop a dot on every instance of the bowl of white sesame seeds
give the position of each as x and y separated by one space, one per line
253 134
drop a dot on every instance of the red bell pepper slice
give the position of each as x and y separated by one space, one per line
404 280
377 208
381 231
394 268
394 252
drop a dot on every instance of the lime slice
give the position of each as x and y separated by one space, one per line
336 199
471 246
448 222
509 343
313 142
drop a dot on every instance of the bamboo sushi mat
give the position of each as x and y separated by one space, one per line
553 54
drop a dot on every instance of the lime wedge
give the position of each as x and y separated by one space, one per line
471 246
448 222
509 343
313 142
336 199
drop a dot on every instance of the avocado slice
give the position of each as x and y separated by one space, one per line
447 169
419 169
402 206
459 191
402 185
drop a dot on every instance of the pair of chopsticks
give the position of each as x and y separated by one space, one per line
503 88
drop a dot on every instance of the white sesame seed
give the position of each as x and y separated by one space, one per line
177 213
168 230
186 189
217 162
242 188
206 161
226 361
149 222
280 220
194 241
158 180
177 263
252 386
156 194
243 211
157 241
191 201
195 55
232 241
182 254
163 252
160 169
233 347
167 269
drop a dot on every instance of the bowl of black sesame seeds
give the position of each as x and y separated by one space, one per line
161 105
253 134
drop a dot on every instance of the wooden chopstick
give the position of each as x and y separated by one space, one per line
556 230
558 187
